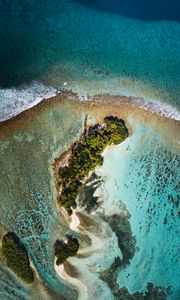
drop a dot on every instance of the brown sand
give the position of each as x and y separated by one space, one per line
97 107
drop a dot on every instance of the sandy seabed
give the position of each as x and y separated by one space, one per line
94 110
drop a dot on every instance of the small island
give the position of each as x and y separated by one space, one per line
64 250
16 257
85 155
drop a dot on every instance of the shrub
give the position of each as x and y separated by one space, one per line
86 156
64 250
16 257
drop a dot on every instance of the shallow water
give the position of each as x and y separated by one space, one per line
143 174
28 199
28 204
94 46
90 47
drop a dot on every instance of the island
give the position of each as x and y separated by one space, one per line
75 166
16 257
64 250
84 156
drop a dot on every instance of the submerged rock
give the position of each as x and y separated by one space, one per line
86 195
126 241
152 293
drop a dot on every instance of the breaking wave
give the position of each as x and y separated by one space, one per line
162 109
15 100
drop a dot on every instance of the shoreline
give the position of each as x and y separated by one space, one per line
77 283
97 100
97 107
111 133
74 221
158 108
74 166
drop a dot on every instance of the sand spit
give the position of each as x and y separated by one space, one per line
83 295
96 108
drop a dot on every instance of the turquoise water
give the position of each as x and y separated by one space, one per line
11 287
92 47
28 199
117 47
143 174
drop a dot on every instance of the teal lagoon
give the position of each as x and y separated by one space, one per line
28 201
143 175
140 176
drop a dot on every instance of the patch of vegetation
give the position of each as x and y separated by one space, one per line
64 250
16 257
86 156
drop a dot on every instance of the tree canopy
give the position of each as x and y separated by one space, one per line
86 156
16 257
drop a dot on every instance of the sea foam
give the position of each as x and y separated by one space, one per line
155 106
15 100
162 109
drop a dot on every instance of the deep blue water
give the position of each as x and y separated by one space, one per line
120 47
147 10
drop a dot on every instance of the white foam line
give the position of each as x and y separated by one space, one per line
15 100
162 109
156 106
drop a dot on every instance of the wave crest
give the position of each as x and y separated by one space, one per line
162 109
15 100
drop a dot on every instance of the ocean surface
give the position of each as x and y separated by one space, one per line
118 47
143 174
91 47
28 205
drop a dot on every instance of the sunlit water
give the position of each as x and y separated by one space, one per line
28 202
94 47
143 174
91 47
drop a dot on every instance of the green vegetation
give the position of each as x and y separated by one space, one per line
64 250
16 257
86 156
